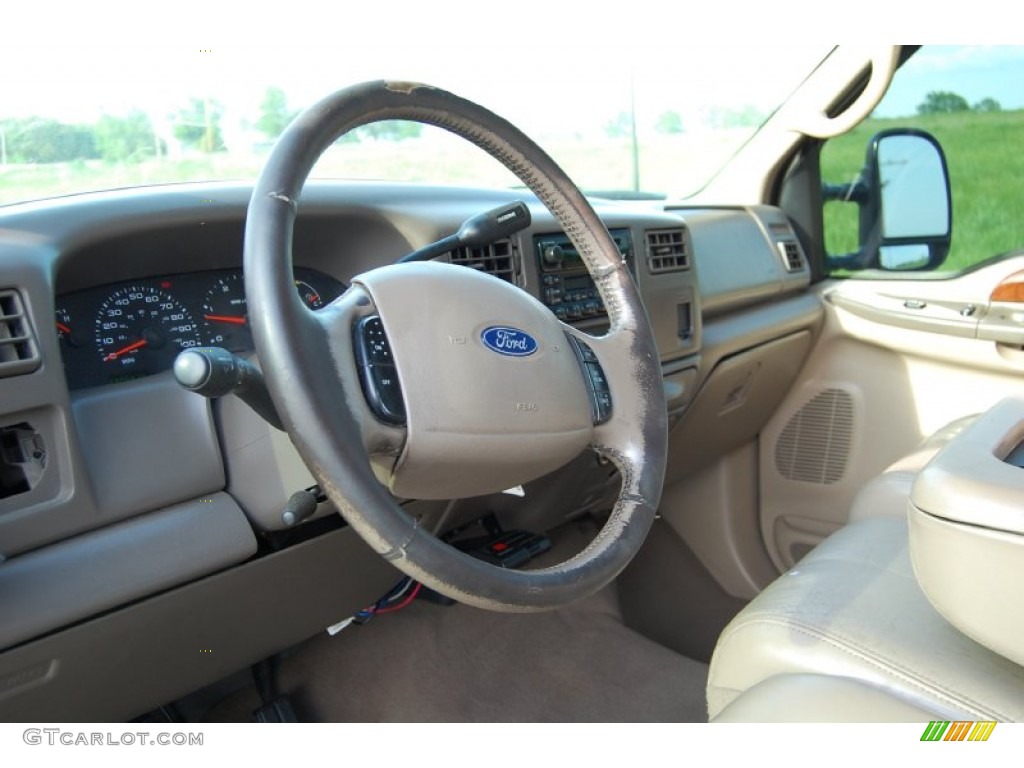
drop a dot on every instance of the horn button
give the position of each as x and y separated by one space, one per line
492 391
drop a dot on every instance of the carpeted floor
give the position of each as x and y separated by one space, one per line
462 664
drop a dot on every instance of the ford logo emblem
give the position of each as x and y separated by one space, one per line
508 341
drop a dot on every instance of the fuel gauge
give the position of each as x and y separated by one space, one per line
310 296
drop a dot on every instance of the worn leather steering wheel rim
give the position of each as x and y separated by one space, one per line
297 350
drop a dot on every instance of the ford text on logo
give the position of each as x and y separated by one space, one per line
508 341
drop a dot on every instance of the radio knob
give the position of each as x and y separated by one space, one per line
553 254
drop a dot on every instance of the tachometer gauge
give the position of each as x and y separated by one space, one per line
140 330
225 315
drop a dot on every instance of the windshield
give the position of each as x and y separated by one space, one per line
620 120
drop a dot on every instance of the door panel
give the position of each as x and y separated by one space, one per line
896 361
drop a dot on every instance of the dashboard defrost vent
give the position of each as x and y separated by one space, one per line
19 352
667 251
815 444
497 258
791 257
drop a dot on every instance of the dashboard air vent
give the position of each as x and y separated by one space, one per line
497 258
790 252
19 352
667 251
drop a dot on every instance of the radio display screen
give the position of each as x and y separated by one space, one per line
577 283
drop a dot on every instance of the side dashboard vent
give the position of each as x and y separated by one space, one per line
19 352
814 446
792 257
667 251
497 258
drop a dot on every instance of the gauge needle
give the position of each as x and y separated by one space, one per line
125 350
63 328
226 319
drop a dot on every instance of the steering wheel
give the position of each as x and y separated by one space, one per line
483 388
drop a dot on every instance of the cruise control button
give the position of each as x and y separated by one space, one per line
597 377
586 352
389 391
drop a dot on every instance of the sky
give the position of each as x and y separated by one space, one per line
548 66
972 71
545 89
540 88
560 71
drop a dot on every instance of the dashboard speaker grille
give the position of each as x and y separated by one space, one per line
19 352
815 444
497 258
667 251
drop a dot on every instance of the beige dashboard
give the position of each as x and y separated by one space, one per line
127 498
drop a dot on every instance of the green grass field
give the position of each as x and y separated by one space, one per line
986 170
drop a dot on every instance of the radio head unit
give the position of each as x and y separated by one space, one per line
566 286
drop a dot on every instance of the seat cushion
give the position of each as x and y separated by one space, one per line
852 608
802 698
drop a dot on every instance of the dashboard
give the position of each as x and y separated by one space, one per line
127 330
116 284
130 507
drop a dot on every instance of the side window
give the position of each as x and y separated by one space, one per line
885 195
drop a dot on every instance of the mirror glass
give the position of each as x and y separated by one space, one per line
913 256
913 188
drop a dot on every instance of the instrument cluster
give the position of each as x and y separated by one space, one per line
114 333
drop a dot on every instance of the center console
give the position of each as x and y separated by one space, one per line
967 529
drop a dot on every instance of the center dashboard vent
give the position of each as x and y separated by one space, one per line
497 258
667 251
19 352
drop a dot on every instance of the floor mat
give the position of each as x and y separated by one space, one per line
461 664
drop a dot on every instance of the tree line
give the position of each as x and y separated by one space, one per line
131 138
947 102
117 138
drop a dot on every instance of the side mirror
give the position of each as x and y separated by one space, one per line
905 205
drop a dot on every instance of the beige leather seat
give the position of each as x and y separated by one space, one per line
848 635
855 632
807 698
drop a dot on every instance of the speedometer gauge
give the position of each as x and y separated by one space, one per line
139 330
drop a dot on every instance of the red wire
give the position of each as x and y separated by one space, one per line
408 599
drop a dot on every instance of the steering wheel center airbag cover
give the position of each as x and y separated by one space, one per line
480 419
